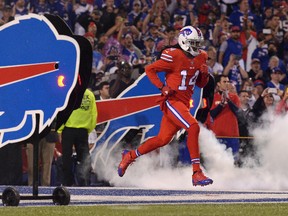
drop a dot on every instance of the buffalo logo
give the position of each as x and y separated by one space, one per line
38 71
185 32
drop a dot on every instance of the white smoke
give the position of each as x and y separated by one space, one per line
154 171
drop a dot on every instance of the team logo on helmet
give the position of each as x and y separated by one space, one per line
185 32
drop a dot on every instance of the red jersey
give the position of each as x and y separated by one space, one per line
226 123
182 72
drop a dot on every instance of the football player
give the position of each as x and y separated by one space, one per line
184 66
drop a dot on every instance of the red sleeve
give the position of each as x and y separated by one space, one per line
202 79
164 64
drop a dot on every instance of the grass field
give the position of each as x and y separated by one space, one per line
151 210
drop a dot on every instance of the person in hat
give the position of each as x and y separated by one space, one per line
149 51
263 103
276 62
275 76
259 86
136 13
230 46
256 72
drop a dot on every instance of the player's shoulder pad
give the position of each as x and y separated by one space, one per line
170 54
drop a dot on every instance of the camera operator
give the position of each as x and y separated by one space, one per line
123 79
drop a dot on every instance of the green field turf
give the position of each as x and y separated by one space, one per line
271 209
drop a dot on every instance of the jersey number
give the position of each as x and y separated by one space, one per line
191 82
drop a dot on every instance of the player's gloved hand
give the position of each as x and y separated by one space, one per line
204 69
167 91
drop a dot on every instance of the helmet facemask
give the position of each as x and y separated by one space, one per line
190 40
194 46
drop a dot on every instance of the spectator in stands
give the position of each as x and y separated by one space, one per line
261 52
7 15
275 62
109 13
136 13
157 10
92 28
276 31
248 86
2 5
221 29
64 9
264 103
224 112
168 40
159 22
243 117
149 50
20 8
284 50
259 86
128 28
235 71
82 11
185 10
268 12
203 11
258 10
236 17
230 46
214 67
275 75
282 106
40 7
114 30
227 7
154 32
256 72
104 94
111 60
248 40
95 17
130 52
205 29
178 23
104 88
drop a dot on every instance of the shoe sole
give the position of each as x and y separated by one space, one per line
203 183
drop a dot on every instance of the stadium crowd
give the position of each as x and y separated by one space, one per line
246 42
